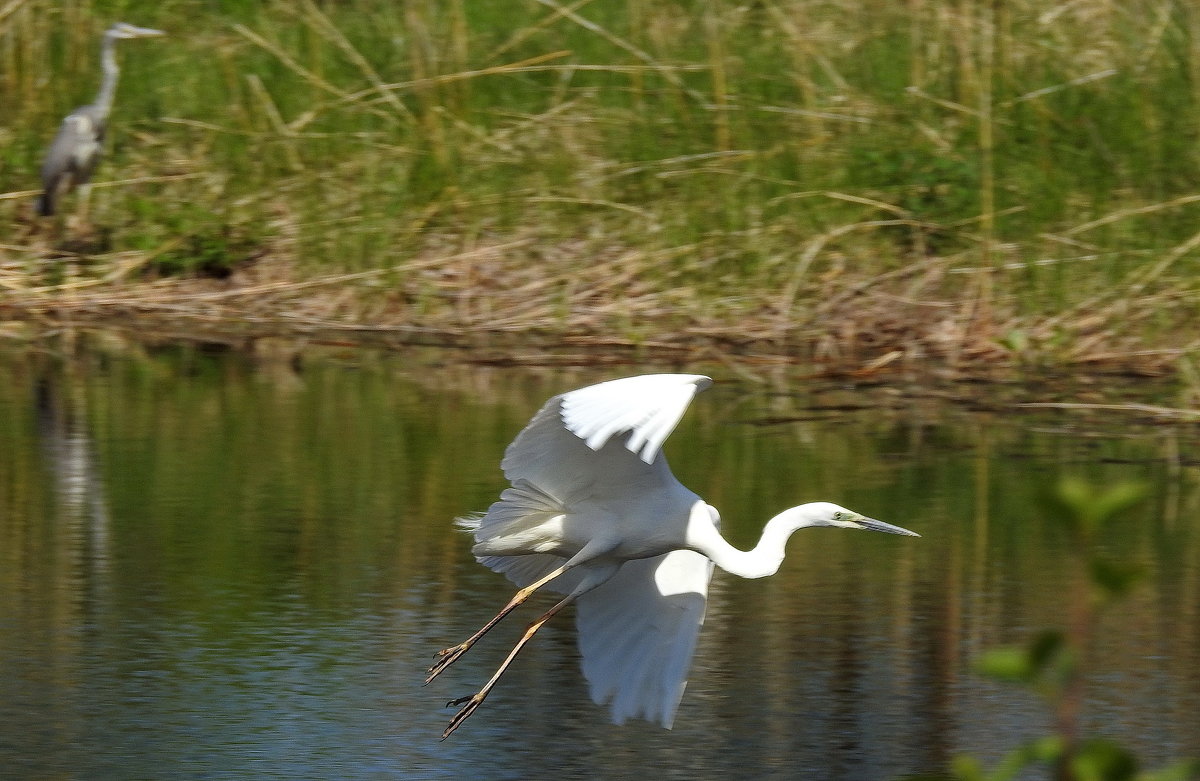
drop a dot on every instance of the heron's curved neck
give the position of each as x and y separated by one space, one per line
108 62
761 561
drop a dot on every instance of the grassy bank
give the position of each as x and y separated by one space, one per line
860 182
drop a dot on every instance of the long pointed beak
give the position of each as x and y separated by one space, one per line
132 31
872 525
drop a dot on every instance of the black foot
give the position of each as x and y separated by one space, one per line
446 657
472 702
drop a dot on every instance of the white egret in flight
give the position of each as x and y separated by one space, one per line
594 513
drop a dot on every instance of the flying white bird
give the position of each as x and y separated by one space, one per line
594 513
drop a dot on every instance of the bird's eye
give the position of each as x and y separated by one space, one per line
837 516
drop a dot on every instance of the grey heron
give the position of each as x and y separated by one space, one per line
594 513
76 149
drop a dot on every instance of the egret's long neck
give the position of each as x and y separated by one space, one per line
108 62
763 560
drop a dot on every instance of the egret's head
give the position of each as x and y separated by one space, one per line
123 30
829 514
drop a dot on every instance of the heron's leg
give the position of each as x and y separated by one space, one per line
85 204
447 656
475 700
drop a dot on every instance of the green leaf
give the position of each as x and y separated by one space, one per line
966 769
1103 760
1009 663
1041 751
1026 665
1044 648
1068 504
1083 509
1117 499
1114 578
1047 749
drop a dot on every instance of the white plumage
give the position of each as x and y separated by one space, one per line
594 513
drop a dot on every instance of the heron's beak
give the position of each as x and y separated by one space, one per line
130 31
872 525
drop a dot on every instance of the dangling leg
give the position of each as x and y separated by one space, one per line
447 656
475 700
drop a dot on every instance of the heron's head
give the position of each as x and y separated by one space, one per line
123 30
829 514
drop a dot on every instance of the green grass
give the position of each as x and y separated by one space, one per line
756 144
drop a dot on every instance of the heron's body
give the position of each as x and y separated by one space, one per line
595 513
76 149
650 520
72 156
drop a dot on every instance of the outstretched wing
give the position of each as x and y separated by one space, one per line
563 448
637 633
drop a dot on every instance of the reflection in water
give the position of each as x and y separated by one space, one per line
212 568
71 457
57 554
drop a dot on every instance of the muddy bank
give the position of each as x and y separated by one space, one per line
506 306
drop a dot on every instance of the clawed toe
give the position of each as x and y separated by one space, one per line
472 702
446 657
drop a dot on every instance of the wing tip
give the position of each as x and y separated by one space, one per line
587 414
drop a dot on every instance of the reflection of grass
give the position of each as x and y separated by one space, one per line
848 178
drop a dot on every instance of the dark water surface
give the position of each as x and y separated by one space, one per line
219 566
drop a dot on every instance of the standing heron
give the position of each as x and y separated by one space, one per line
594 513
76 149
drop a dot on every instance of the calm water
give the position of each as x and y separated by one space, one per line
220 566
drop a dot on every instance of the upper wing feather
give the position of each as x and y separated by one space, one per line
637 634
647 406
563 448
